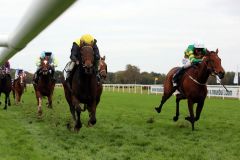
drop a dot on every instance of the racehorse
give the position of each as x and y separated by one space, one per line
18 88
5 86
192 85
84 88
45 85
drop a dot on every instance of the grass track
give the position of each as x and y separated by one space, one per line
122 131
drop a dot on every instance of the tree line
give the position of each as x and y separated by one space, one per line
132 75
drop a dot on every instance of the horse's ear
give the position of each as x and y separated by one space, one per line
217 51
103 58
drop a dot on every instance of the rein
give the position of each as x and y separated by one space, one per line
194 80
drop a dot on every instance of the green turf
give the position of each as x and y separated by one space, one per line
127 128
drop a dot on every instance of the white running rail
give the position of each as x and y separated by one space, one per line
40 14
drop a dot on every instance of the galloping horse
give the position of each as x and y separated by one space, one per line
5 86
18 88
84 88
192 85
45 85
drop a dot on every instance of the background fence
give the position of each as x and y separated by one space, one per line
213 90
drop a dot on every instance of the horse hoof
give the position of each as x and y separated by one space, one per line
40 112
77 128
175 118
90 124
157 109
187 118
5 108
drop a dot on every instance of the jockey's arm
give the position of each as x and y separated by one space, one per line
96 52
74 52
194 60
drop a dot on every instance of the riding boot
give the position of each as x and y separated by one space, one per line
68 80
177 75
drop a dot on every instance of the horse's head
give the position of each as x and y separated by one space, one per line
102 68
87 59
21 78
214 63
2 72
45 66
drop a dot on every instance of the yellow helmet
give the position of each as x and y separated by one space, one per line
87 39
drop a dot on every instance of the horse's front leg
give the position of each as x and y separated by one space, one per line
9 102
50 101
75 103
190 109
92 114
179 97
6 101
39 101
17 98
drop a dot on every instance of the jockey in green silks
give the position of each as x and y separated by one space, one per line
193 55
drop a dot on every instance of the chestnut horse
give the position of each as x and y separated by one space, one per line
18 88
45 85
192 85
5 86
84 88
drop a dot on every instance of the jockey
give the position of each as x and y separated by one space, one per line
85 40
18 72
193 55
52 61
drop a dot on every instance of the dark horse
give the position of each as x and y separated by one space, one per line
18 88
84 88
5 86
192 85
45 85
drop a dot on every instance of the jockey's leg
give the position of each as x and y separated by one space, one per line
36 76
68 70
177 75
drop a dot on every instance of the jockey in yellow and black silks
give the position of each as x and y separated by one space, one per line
51 60
193 55
85 40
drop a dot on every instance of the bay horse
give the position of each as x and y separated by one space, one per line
45 85
5 86
18 88
192 85
85 88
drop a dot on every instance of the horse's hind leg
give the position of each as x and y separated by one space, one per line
190 109
199 110
178 98
165 97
